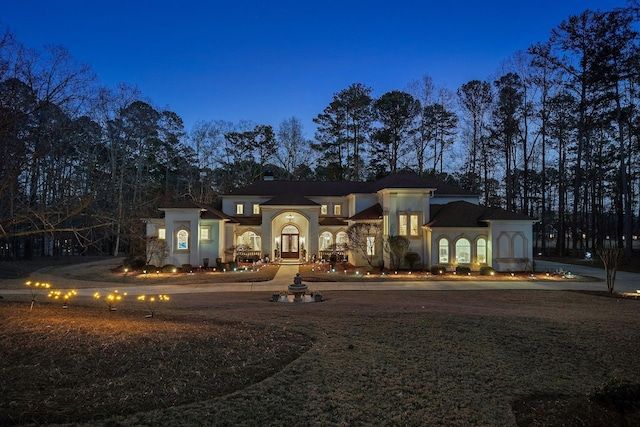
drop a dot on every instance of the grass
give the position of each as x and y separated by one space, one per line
496 358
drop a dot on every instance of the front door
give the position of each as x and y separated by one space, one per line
290 239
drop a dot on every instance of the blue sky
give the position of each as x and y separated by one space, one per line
266 61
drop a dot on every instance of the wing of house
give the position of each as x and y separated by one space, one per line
308 220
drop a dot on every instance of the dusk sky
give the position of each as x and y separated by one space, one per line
266 61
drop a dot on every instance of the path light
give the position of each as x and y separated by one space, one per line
126 270
35 290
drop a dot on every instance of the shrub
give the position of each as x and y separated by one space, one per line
438 269
134 262
233 266
487 271
168 268
187 268
412 259
333 258
463 270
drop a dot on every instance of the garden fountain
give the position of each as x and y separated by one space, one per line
296 292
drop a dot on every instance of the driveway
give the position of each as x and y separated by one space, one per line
625 282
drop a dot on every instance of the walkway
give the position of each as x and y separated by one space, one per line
625 282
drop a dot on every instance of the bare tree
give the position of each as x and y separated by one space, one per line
363 239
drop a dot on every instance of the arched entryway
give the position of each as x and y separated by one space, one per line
290 238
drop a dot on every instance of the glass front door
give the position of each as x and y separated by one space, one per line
290 239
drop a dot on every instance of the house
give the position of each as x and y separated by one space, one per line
295 220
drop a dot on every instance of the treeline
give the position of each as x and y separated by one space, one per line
554 135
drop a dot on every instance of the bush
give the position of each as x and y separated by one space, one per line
438 269
168 268
412 259
487 271
463 270
134 262
233 266
187 268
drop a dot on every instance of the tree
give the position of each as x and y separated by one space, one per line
440 127
363 239
294 151
610 256
343 130
397 247
476 99
396 112
505 131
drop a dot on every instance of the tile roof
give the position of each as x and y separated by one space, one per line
372 212
343 188
248 220
332 220
289 199
465 214
207 212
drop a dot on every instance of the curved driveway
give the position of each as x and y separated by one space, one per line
625 282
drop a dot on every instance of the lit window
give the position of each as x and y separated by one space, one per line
414 225
251 240
443 250
182 241
402 225
481 249
323 209
162 233
341 240
337 209
205 233
371 245
326 240
463 251
256 209
239 209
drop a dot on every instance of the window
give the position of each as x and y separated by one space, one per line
323 209
402 225
463 251
182 241
371 245
341 240
481 250
443 250
326 240
162 233
256 209
205 233
239 209
250 240
414 225
337 209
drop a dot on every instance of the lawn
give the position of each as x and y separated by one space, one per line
491 358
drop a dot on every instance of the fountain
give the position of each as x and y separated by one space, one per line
296 292
298 289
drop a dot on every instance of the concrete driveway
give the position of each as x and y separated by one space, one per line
625 282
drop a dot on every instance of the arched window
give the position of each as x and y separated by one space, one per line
463 251
326 240
182 240
481 250
341 240
251 240
443 250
